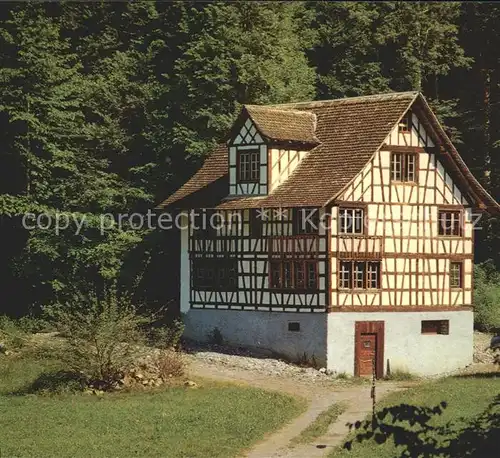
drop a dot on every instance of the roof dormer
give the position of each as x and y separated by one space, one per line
265 145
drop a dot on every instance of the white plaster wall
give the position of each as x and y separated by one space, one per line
282 164
405 347
264 330
185 276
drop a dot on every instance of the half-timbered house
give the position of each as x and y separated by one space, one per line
339 230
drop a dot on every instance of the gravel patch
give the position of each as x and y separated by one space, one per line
482 353
242 358
261 362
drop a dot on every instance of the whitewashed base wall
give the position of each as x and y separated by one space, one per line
406 348
264 330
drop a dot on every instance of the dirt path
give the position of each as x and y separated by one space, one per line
320 394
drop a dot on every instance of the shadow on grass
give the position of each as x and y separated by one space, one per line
58 382
410 427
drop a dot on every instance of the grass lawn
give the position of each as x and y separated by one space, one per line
213 420
467 397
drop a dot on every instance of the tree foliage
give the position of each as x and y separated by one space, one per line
413 432
108 107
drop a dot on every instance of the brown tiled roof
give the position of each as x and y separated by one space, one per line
284 125
350 131
214 168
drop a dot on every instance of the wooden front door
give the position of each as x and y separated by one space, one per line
367 354
369 348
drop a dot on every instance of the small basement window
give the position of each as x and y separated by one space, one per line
294 326
436 327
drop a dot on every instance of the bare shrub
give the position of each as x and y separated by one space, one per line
169 364
167 336
103 334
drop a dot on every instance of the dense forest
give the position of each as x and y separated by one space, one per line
107 107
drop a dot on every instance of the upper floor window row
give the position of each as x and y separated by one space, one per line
303 221
352 221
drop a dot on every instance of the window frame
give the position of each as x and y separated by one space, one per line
404 171
442 229
342 217
212 268
460 277
345 275
370 272
250 157
404 126
298 229
348 270
280 267
435 327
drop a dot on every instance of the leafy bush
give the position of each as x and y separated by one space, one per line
487 297
12 336
103 334
33 324
167 336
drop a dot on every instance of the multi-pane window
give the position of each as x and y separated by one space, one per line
298 275
404 167
305 221
359 275
450 223
275 269
312 275
215 273
435 327
373 275
248 166
456 274
345 275
351 220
